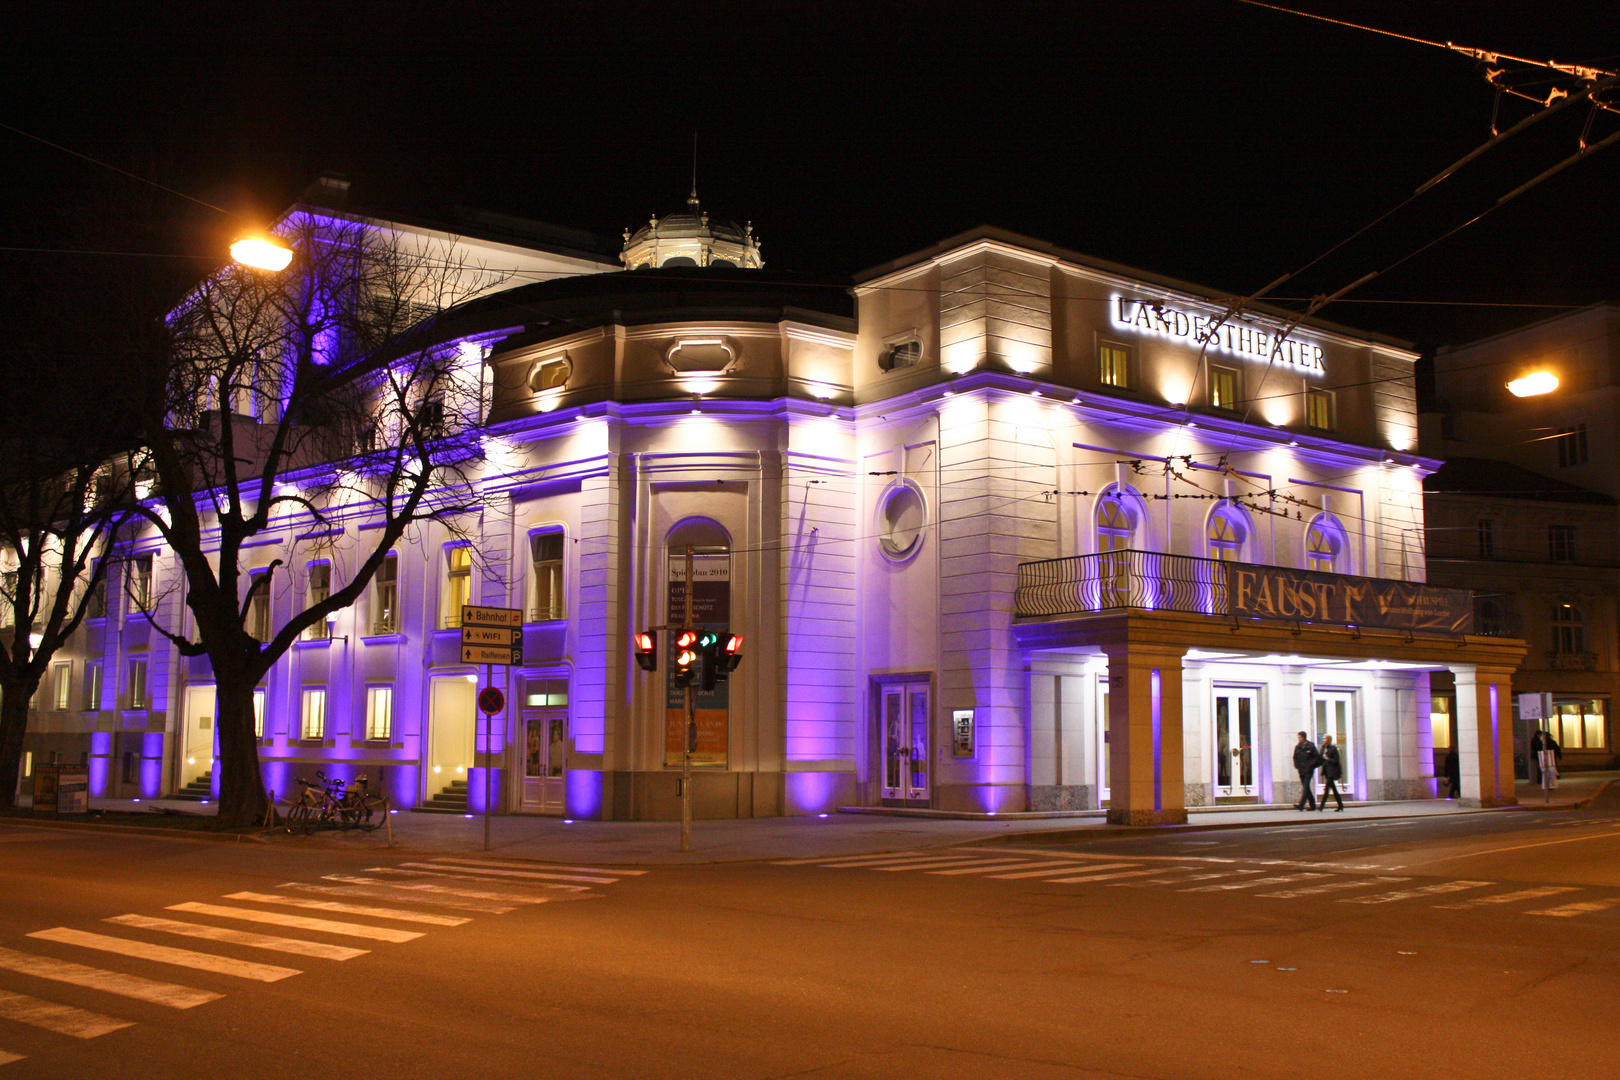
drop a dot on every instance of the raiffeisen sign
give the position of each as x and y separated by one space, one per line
1239 339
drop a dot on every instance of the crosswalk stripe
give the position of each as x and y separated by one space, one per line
1582 908
353 909
540 866
1332 886
929 864
1104 877
872 862
439 890
173 995
163 954
1408 894
299 922
1065 870
1184 878
320 950
986 867
1249 883
448 874
62 1019
392 893
1509 898
7 1057
537 875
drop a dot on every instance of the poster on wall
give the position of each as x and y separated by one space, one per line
73 789
711 610
45 787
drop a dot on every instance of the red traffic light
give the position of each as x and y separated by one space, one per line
734 649
647 651
686 639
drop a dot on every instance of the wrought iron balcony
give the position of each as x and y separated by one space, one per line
1149 581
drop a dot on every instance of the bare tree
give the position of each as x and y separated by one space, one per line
61 505
294 404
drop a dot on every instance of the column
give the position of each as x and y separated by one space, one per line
1147 775
1485 735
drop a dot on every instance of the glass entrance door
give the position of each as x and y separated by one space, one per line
904 712
1236 712
544 759
1331 716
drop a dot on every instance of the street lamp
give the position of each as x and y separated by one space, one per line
1533 384
262 253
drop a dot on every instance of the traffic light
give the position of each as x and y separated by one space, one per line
647 650
709 646
732 655
685 656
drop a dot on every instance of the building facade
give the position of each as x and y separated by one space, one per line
1005 529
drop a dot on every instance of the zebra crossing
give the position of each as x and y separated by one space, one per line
380 907
1273 879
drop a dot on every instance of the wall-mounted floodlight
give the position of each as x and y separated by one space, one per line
1537 382
262 253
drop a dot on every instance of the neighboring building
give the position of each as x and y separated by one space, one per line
1523 513
999 535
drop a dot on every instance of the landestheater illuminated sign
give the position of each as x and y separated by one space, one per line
1238 339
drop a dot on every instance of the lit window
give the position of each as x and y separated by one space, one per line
1114 364
458 583
1580 723
258 713
1116 529
379 713
140 583
1227 531
1487 539
137 683
92 687
1568 629
1571 443
1324 545
545 693
314 716
901 354
62 685
1319 409
548 577
1440 721
320 590
258 612
385 596
1223 387
1561 543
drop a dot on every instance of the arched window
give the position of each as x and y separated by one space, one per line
1568 629
1325 545
1116 523
1227 532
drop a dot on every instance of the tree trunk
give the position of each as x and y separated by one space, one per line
242 801
15 692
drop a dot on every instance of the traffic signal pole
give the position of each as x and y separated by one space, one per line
689 743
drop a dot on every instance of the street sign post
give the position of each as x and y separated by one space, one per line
490 636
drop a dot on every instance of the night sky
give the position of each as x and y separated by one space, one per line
1211 140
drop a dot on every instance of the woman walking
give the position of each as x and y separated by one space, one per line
1331 771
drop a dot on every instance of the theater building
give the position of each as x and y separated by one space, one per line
1005 528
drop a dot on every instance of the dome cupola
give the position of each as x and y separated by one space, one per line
690 237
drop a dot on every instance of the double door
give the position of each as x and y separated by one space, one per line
903 712
1237 715
1331 713
545 751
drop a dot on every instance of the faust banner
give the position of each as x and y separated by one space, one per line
1270 592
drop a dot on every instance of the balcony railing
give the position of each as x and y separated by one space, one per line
1150 581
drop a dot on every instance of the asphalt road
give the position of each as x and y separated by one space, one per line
1483 946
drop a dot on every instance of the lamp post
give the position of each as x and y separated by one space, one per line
262 253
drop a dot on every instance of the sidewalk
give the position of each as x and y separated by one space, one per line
741 840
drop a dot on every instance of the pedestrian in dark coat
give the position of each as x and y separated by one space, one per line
1306 759
1454 772
1332 771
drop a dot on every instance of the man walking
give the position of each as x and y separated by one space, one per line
1306 759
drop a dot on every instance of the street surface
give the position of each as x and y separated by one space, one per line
1485 945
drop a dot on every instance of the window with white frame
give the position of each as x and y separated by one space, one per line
547 550
457 583
92 685
62 685
137 683
312 726
257 621
1227 532
379 713
258 713
140 583
385 596
318 590
1568 629
1325 545
1580 723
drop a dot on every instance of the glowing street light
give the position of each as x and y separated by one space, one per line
262 253
1537 382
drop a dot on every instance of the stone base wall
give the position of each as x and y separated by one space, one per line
1049 798
1198 794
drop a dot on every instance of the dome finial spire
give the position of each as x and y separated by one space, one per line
692 199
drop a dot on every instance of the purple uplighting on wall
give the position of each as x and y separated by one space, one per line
582 795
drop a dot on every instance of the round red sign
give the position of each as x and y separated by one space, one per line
491 700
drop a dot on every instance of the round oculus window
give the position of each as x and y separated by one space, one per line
900 522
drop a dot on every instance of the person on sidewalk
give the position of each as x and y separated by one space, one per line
1306 759
1332 770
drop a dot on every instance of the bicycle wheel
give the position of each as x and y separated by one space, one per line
373 811
298 818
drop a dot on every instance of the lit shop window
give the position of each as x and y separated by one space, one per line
1440 720
1580 723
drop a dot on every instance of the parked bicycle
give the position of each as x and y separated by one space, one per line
335 803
